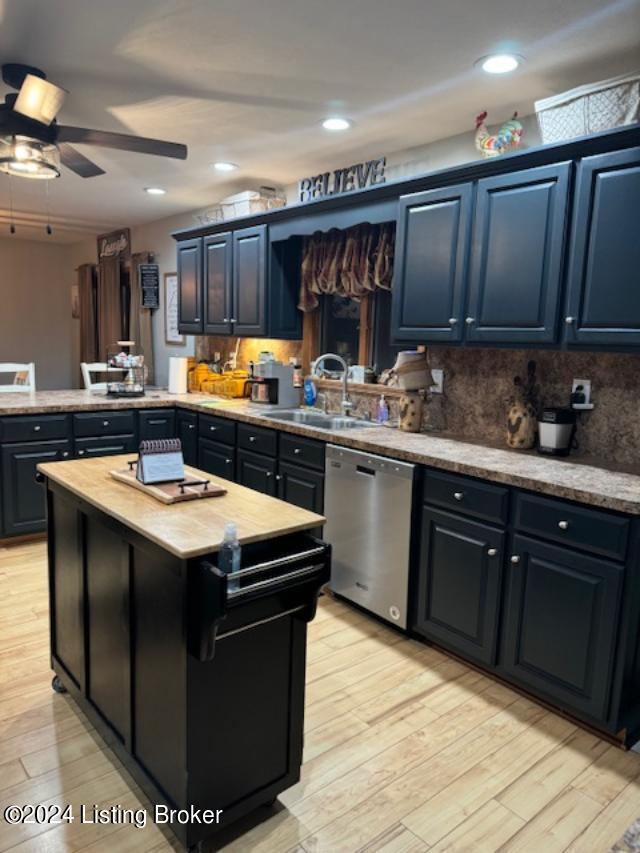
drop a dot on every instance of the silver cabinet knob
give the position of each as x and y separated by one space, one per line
81 453
563 525
37 428
212 429
470 320
515 559
65 453
233 320
191 426
453 321
297 451
491 552
105 423
252 438
569 320
196 319
228 461
225 319
458 495
269 474
278 477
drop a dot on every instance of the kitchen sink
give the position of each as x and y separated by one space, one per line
318 419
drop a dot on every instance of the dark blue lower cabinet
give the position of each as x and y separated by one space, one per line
459 584
256 472
217 458
187 432
561 614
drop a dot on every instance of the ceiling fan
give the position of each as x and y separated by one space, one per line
33 144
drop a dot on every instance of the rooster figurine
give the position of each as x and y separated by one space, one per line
507 137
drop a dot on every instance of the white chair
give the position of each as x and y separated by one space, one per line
24 379
89 367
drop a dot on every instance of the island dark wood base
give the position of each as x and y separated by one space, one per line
199 690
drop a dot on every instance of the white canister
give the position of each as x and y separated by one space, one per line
178 375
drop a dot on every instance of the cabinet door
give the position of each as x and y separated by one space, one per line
300 486
249 281
190 286
560 622
156 424
187 430
459 584
108 684
516 257
430 264
603 305
23 496
217 459
217 260
256 472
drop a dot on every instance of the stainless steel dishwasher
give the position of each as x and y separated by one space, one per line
368 508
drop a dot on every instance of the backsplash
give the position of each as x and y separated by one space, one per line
479 382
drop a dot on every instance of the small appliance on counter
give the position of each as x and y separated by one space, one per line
272 383
556 431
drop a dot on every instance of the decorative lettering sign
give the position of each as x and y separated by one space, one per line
149 278
355 177
115 243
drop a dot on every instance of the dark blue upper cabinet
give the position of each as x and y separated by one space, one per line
250 281
517 256
430 265
603 302
217 260
189 253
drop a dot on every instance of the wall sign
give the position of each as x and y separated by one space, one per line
114 244
171 333
355 177
149 280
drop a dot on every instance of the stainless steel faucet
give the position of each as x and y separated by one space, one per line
346 404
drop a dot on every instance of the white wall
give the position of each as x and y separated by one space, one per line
35 309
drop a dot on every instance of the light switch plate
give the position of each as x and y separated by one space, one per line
438 381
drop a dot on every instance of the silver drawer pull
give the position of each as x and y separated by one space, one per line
515 559
228 461
470 321
212 429
569 320
252 438
233 320
453 321
563 525
491 552
37 428
192 426
458 495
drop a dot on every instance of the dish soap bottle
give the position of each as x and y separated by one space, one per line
310 391
383 410
229 555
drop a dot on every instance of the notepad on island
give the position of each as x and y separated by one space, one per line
160 461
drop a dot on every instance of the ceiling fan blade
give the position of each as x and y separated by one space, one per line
122 142
39 100
77 162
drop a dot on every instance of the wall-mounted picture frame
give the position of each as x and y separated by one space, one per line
171 333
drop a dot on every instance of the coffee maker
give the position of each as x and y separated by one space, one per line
272 383
556 431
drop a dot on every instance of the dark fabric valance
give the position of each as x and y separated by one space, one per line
349 263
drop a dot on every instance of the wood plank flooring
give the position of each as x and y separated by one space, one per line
406 750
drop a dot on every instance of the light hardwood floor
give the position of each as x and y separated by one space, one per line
406 750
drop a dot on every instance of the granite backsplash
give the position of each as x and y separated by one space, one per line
478 384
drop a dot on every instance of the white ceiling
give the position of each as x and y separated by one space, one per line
249 81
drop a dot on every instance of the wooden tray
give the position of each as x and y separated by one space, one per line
171 493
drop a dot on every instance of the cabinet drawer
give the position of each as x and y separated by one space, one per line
156 423
257 439
302 451
104 423
34 428
466 495
87 447
218 429
573 525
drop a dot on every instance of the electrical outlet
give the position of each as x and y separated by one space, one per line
438 381
585 388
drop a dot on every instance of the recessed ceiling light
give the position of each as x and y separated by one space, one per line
500 63
155 191
225 167
336 123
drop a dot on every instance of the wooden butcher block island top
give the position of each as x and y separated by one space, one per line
185 529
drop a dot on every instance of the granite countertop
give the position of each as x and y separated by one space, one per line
577 480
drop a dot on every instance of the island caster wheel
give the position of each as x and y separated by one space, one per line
57 685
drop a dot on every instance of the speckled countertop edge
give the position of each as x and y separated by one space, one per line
571 480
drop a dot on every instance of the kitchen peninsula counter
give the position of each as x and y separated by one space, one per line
573 479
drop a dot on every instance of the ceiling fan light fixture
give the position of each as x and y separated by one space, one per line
23 157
